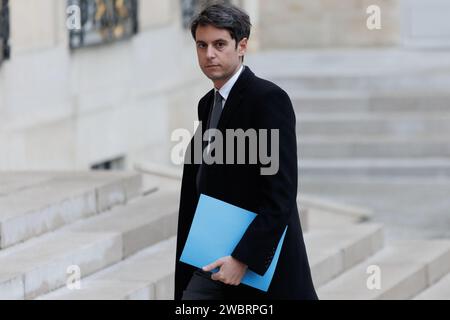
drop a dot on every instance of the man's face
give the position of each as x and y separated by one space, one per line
217 54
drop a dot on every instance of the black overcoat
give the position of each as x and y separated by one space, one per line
253 103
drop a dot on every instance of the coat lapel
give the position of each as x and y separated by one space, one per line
205 109
231 105
234 98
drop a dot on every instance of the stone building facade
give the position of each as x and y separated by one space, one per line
112 103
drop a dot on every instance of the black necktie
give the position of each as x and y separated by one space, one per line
216 112
212 124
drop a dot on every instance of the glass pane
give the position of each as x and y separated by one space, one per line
104 21
189 8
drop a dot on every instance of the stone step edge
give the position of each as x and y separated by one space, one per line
153 285
430 271
102 197
151 289
363 243
360 214
438 291
122 246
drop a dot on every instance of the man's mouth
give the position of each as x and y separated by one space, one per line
212 66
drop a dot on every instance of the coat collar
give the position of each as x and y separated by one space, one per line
226 88
232 103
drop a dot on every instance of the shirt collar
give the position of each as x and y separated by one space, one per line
226 88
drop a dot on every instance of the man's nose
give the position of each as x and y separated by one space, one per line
210 52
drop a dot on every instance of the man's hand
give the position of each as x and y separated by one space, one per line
231 270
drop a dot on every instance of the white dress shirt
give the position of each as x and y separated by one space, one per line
225 92
226 88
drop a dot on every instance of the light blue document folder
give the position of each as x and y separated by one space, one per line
216 230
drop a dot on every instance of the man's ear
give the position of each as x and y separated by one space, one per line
242 47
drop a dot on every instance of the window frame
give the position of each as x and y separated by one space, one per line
92 33
5 49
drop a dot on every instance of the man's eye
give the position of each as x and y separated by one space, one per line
220 45
200 45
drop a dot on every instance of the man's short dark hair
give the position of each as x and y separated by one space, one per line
224 16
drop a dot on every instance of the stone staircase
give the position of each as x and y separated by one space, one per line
50 221
371 134
126 249
34 204
119 228
406 269
438 291
372 130
366 113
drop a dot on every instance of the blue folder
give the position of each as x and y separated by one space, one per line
216 230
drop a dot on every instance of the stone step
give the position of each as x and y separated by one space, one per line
433 101
374 167
324 102
372 147
314 212
333 250
166 176
389 124
150 273
39 265
42 265
325 213
438 291
374 81
371 102
29 208
318 219
409 207
17 181
406 268
142 223
344 62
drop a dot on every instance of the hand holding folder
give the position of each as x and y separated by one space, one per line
216 230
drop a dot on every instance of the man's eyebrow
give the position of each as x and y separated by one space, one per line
215 41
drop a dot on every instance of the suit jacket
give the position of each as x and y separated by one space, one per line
258 104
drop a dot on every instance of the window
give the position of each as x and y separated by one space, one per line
103 21
113 164
190 8
4 30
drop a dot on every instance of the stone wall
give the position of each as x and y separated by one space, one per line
62 110
326 23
